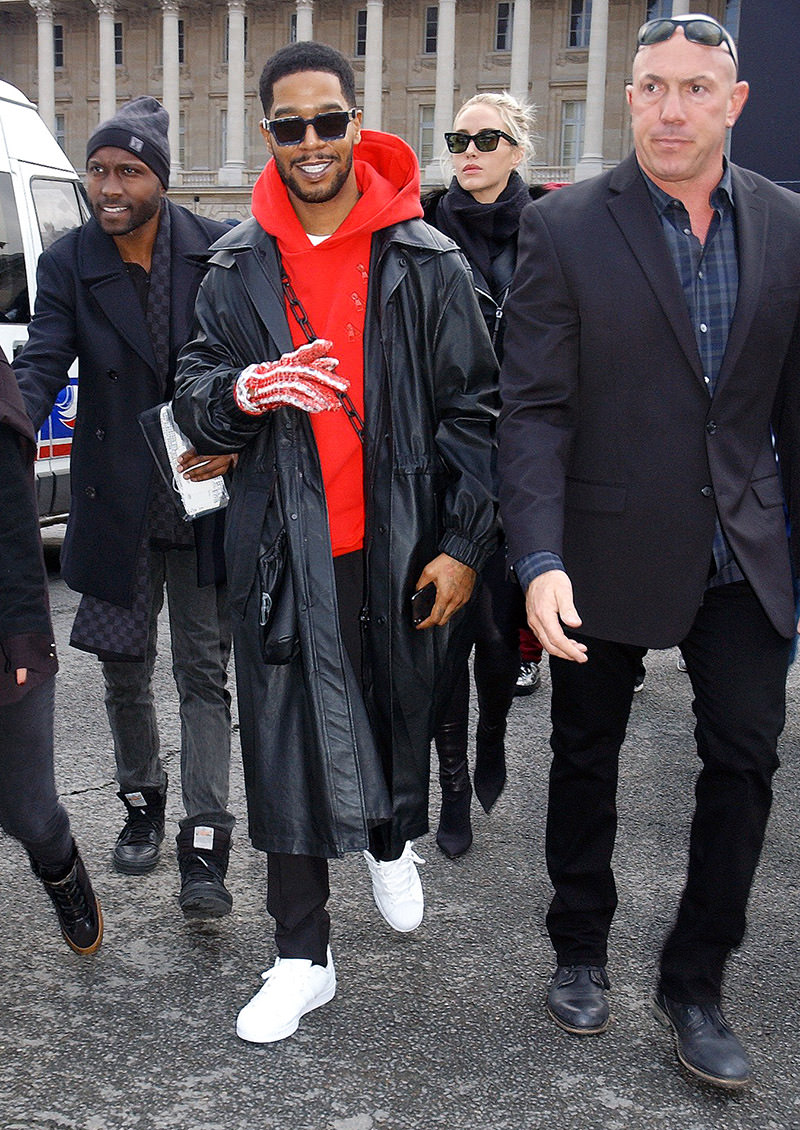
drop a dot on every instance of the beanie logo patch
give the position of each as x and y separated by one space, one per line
136 144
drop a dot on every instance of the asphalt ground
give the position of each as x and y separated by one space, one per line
443 1028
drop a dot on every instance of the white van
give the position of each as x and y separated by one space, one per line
41 198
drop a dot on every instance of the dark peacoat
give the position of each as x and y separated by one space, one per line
86 307
612 453
309 748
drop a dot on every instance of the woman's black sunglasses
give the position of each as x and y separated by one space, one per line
486 141
330 126
696 29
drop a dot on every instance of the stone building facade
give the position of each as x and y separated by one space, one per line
415 62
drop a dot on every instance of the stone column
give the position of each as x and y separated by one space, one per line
171 96
445 79
373 65
520 50
231 172
108 68
305 20
45 62
683 7
591 161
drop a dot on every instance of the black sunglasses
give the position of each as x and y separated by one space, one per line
486 141
330 126
697 29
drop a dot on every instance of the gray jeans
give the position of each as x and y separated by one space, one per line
200 627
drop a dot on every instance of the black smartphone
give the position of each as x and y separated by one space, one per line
422 603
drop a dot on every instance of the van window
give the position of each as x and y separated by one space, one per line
14 299
59 208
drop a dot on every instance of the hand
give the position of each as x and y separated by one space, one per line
200 467
22 675
548 604
305 379
454 584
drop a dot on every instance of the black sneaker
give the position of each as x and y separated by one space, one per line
203 853
138 845
77 906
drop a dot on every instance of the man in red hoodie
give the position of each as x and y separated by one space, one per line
342 353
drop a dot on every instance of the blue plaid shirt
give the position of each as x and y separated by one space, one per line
709 275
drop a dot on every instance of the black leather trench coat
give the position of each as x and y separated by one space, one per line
311 743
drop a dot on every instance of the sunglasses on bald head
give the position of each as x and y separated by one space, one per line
330 126
697 29
486 140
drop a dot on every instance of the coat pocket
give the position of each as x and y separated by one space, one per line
277 614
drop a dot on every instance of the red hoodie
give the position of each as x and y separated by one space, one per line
331 281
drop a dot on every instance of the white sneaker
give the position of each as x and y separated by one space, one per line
291 988
397 890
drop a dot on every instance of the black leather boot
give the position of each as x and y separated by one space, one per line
203 853
490 763
454 835
138 845
77 906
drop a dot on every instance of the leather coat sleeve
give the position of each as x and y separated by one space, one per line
208 367
42 368
465 376
538 390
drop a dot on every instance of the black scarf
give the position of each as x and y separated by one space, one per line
107 630
483 230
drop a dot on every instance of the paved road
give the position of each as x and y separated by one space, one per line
440 1030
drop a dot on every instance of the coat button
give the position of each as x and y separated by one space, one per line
711 427
90 492
112 374
381 529
707 492
100 433
380 620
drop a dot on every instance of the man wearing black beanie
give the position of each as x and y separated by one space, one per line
118 294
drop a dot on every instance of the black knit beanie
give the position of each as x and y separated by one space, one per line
140 127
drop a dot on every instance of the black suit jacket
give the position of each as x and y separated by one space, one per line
612 454
86 307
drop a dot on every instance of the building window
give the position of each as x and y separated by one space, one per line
181 42
361 33
58 45
659 9
118 60
580 22
61 130
572 119
431 29
182 139
504 25
293 27
425 148
227 32
223 127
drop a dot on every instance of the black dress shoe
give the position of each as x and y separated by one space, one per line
576 999
705 1044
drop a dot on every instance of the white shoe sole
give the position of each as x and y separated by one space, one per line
327 994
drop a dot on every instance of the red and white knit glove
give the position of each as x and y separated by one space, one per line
305 379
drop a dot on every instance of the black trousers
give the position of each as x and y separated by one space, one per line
496 615
297 885
30 810
737 664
